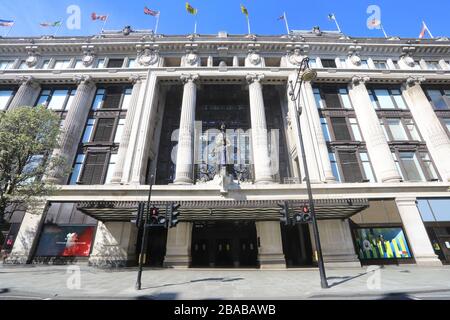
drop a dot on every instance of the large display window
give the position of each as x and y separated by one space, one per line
65 241
386 243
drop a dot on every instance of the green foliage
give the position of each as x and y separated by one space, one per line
27 139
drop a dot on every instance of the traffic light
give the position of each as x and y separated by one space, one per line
157 219
173 214
304 216
284 212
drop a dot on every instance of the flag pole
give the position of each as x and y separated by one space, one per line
104 23
337 24
384 31
9 29
248 25
195 26
428 30
57 29
286 22
157 23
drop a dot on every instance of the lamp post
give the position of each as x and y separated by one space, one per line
305 73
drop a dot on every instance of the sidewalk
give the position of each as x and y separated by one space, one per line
60 282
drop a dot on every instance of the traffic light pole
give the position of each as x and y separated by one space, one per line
142 254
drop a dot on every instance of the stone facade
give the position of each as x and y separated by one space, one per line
254 64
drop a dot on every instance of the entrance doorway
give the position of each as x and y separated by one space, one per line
297 246
224 244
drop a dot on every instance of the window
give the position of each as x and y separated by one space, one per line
104 130
313 63
115 63
93 168
101 63
335 98
446 123
132 63
411 129
364 64
111 168
334 166
88 131
326 131
340 129
98 100
127 98
75 176
428 166
318 98
61 64
355 129
350 166
440 99
410 167
343 62
56 99
387 99
328 63
23 65
368 172
5 99
396 128
380 64
5 65
433 65
45 64
112 98
119 131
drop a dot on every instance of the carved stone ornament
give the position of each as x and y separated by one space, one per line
254 58
148 57
32 60
88 59
191 58
295 57
355 59
412 81
356 80
409 61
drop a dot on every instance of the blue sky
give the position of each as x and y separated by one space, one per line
399 17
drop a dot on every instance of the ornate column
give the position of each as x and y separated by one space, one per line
416 232
429 125
261 159
125 140
74 125
139 145
377 146
185 151
27 93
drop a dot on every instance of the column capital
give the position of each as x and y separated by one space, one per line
27 81
357 80
83 79
413 81
135 78
251 78
185 78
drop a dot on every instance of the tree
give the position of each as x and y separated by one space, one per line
27 139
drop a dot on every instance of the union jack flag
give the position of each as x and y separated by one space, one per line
151 12
95 16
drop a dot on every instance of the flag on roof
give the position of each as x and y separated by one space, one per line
244 10
51 24
331 16
6 23
95 16
375 23
151 12
190 9
280 18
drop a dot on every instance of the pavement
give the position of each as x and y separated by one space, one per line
41 282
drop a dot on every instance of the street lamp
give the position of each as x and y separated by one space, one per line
305 73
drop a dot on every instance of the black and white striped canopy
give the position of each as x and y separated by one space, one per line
259 210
